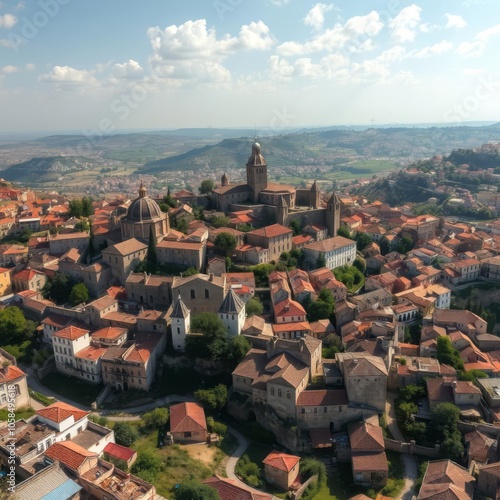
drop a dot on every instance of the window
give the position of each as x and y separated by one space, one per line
280 393
288 395
207 294
272 391
193 294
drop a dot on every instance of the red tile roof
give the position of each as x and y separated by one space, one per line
58 412
281 461
230 490
70 454
187 417
71 333
271 231
12 373
370 462
120 452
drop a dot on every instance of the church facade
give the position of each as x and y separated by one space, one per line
276 202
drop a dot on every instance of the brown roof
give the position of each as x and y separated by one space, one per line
365 462
367 366
271 231
481 447
445 479
323 397
102 303
126 247
330 244
229 489
366 437
438 392
187 417
109 332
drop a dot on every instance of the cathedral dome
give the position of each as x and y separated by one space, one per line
256 158
143 208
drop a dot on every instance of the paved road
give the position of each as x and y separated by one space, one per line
135 414
409 461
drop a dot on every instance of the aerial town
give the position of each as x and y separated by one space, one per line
252 340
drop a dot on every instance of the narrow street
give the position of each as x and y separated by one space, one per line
410 464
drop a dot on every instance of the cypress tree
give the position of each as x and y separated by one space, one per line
151 257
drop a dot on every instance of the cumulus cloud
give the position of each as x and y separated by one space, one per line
352 35
316 16
67 76
193 51
436 49
8 21
455 21
406 24
477 46
9 69
129 70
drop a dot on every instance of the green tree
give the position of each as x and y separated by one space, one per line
362 241
13 326
321 308
405 245
406 410
125 434
151 256
76 208
220 221
238 348
445 418
156 418
212 399
344 232
87 207
58 288
295 227
447 354
360 264
169 201
254 307
212 342
225 243
385 246
207 186
194 490
310 467
79 294
321 261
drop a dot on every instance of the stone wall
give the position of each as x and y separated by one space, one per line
411 448
295 495
306 217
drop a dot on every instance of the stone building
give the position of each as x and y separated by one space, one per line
143 216
200 292
232 314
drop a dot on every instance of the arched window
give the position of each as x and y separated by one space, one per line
193 294
207 294
280 393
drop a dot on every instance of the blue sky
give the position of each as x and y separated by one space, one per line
108 65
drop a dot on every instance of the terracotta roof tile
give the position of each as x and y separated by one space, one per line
187 417
281 461
69 453
58 412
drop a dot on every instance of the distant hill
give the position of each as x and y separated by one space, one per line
330 146
48 169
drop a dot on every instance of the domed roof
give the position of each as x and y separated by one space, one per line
143 208
256 158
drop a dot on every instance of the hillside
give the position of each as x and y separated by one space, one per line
331 147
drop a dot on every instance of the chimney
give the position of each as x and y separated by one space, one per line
211 277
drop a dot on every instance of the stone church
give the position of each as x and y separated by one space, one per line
272 202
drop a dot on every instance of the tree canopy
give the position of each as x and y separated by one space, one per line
225 243
125 434
206 186
447 354
79 294
194 490
254 307
14 327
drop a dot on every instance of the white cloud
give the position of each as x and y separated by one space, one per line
191 51
406 24
130 70
478 45
71 77
8 21
29 67
316 16
352 35
279 3
438 48
455 21
9 69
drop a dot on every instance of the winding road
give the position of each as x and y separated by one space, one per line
134 414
